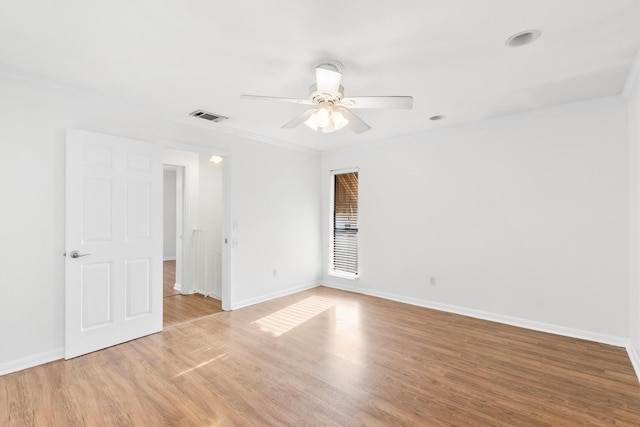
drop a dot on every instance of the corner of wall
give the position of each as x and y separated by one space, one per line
633 79
632 93
634 357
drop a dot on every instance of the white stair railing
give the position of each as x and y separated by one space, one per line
207 263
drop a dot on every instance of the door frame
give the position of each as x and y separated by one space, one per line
226 209
179 225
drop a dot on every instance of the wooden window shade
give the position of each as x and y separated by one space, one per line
345 223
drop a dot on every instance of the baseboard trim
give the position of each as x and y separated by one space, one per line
177 287
169 258
483 315
267 297
635 359
31 361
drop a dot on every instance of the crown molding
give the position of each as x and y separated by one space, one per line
183 119
475 125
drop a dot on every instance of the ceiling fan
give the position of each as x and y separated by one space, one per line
331 111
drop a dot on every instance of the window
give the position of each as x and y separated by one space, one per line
344 223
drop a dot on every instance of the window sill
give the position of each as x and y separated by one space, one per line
342 274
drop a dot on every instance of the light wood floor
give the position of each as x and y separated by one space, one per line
178 308
325 357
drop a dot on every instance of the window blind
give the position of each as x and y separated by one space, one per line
345 223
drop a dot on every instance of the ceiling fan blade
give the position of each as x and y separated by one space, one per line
328 81
275 98
397 102
355 123
299 119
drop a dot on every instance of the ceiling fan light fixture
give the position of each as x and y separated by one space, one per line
339 120
323 117
326 119
330 110
328 76
311 122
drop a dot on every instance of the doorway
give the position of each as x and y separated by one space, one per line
193 236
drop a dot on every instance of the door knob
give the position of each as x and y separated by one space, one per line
76 254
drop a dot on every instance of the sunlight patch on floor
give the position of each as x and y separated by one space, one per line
284 320
220 356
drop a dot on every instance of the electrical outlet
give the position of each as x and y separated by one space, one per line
432 281
275 273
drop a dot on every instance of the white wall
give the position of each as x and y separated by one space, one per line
276 221
169 215
270 187
520 219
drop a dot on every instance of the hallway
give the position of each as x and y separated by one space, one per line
178 308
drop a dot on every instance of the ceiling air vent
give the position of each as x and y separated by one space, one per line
208 116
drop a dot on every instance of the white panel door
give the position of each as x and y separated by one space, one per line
113 241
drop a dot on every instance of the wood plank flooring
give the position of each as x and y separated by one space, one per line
325 357
178 308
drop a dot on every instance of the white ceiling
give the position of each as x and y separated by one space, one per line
450 55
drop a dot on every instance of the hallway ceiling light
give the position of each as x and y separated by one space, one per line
216 160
